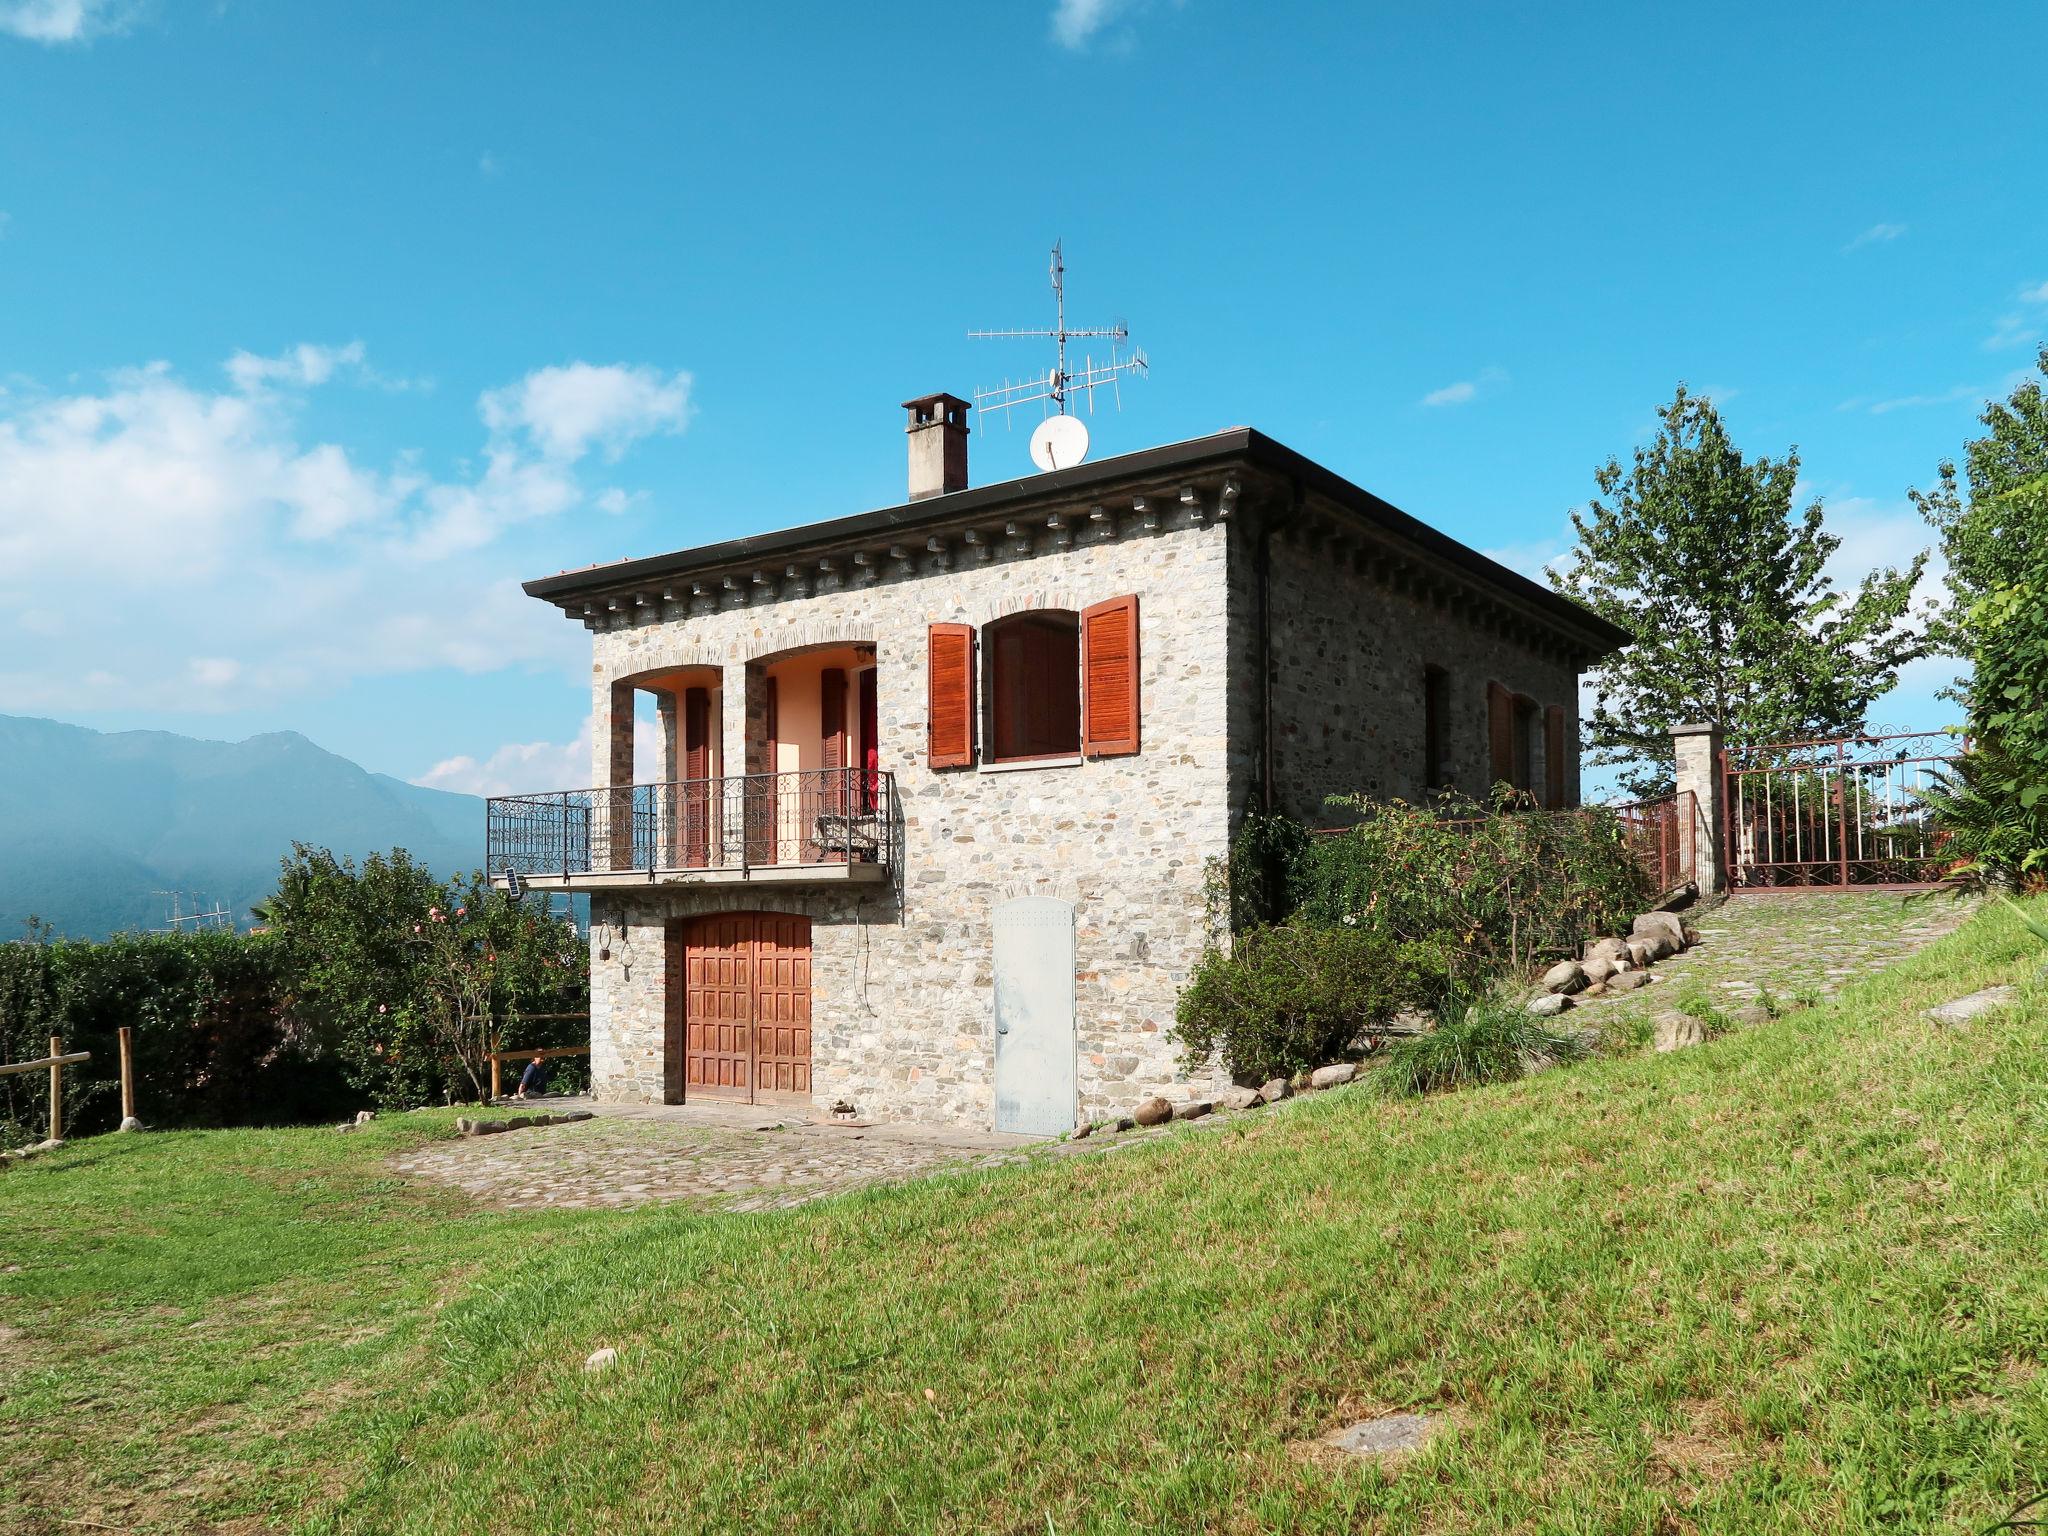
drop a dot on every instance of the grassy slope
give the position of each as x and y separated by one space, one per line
1794 1280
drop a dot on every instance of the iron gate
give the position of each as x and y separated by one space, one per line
1846 813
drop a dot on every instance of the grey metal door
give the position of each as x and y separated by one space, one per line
1034 971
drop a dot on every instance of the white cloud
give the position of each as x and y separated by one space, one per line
1467 390
2012 331
62 21
1911 402
533 767
186 547
1877 234
568 410
2037 295
1074 22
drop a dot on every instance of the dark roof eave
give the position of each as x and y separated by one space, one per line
1239 444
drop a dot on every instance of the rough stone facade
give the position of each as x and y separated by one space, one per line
903 997
1349 657
1285 624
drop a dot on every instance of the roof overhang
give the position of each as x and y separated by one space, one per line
1239 448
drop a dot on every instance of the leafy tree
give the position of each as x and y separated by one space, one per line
1696 550
1994 532
409 980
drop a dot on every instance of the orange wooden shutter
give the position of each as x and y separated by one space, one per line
950 695
1500 735
697 733
1109 678
832 715
1553 757
772 727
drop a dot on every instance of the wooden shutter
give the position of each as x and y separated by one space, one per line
832 715
1553 757
772 726
1109 678
1500 736
949 686
697 733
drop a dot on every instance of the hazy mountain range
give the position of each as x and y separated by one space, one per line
94 825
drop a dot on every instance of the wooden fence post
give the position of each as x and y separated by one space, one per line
56 1089
494 1077
128 1120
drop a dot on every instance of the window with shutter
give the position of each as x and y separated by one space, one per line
1436 689
1553 757
1034 685
1109 678
1500 736
949 686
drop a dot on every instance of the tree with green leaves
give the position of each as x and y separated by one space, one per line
1993 526
1697 551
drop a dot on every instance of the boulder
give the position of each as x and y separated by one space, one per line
1549 1005
1393 1435
1240 1098
1628 981
1638 953
365 1116
1084 1130
1565 976
1194 1109
1609 950
1126 1123
1678 1032
130 1123
1660 924
1598 970
1657 946
1964 1009
601 1359
1153 1111
1335 1075
1753 1013
1276 1090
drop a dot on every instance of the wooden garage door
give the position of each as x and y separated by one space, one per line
744 1004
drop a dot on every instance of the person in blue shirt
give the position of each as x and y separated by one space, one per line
533 1080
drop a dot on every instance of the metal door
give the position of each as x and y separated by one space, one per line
1035 1042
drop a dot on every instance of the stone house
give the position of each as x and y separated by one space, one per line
940 783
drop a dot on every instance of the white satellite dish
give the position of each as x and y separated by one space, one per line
1059 442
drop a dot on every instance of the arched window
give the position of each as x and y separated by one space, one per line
1033 685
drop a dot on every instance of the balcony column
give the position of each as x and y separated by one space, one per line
615 826
665 827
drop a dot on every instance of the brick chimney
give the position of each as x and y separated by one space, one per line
938 445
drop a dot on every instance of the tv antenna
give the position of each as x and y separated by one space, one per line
1061 441
178 920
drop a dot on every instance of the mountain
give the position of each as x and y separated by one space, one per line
93 825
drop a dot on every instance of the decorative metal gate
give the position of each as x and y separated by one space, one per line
1835 815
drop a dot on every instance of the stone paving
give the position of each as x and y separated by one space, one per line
1794 948
717 1156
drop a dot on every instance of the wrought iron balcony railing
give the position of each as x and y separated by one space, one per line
833 817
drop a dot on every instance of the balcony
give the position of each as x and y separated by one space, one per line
825 826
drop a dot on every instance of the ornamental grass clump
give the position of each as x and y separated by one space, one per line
1495 1040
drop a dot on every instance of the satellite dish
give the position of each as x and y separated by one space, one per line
1059 442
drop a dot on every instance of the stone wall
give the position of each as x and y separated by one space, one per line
902 993
1348 659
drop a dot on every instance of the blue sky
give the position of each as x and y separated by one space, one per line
322 325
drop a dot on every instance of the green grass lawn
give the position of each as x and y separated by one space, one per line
1793 1280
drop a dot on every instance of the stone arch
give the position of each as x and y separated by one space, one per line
810 635
1029 600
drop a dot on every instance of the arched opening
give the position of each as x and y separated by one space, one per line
1032 682
814 755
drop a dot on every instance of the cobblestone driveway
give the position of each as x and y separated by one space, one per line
717 1158
1803 946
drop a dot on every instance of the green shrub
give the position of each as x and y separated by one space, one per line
1495 1040
1490 893
1283 1000
211 1044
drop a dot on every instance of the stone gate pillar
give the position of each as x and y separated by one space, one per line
1696 752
